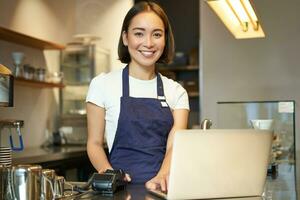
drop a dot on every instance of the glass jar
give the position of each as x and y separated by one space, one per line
28 72
40 74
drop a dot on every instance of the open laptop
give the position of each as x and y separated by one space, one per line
218 163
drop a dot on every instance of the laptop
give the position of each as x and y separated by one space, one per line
218 163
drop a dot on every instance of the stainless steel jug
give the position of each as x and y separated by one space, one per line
5 192
25 182
48 184
59 186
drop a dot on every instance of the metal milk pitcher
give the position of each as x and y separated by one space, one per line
48 184
26 182
5 189
52 185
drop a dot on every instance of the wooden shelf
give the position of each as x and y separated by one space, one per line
193 94
37 84
19 38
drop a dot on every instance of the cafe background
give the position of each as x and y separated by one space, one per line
230 69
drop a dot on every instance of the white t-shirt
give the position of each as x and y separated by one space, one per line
105 91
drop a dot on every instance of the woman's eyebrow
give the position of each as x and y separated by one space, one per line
138 28
143 29
158 29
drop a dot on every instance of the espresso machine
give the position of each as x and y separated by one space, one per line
26 181
11 125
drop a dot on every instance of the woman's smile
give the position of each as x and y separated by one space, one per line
147 54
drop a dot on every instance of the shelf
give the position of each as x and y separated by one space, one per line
178 68
193 94
79 84
77 66
19 38
38 84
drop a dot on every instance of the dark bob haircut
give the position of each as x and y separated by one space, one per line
143 6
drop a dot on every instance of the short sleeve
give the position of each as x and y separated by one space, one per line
96 91
181 98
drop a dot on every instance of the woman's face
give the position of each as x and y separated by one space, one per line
145 39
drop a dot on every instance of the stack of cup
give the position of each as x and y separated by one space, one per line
5 156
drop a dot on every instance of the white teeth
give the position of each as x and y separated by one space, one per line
147 53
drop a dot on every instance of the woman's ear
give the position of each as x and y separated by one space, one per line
124 38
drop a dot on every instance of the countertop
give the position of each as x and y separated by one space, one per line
133 192
48 154
280 188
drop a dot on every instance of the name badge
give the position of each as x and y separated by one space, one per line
161 97
164 104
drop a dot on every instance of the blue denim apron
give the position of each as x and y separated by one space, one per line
144 124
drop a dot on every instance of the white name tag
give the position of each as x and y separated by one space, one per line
164 104
161 97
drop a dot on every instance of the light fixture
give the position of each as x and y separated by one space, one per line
239 17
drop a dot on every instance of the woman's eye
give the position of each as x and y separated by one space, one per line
138 34
157 35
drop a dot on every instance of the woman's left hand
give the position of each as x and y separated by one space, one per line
158 181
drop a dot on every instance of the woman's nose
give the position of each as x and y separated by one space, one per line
148 41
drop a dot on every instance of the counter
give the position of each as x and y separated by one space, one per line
65 157
139 192
59 158
40 155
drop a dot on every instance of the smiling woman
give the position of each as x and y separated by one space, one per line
137 108
145 39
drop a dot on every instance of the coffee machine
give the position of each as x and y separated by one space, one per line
26 181
6 100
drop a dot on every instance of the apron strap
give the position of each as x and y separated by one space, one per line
125 85
125 80
160 88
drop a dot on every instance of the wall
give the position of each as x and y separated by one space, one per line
254 69
103 18
49 20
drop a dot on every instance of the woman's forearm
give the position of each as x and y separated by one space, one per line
98 157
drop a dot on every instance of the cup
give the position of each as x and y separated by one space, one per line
55 77
5 156
40 74
28 71
262 124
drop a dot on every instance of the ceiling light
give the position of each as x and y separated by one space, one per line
239 17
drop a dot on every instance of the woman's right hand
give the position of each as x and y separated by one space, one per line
126 177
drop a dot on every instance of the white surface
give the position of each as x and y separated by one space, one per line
109 97
219 163
285 107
